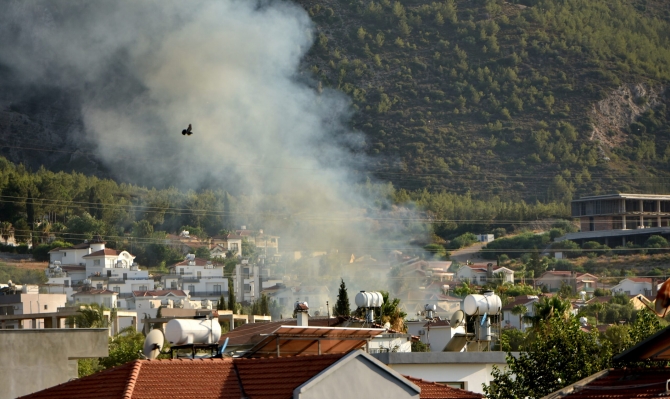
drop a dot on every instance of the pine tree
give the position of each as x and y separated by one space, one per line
342 307
222 303
231 296
265 305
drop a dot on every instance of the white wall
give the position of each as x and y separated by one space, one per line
472 375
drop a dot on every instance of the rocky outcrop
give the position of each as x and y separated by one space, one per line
612 115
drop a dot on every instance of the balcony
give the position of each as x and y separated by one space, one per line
211 294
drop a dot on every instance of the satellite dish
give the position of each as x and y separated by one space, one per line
457 318
153 344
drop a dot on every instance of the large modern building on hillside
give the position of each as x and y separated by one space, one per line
615 219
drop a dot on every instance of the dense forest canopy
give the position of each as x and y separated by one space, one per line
496 97
75 207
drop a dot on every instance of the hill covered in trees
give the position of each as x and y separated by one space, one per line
539 99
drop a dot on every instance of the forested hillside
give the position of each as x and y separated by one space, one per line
74 207
493 97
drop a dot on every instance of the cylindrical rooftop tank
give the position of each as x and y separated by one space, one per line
480 304
369 299
188 331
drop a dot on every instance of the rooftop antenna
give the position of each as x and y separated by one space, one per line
153 344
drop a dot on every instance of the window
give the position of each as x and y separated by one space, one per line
482 278
247 288
454 384
234 247
143 288
191 288
117 289
181 271
173 285
66 283
96 262
64 254
217 289
199 274
99 286
46 307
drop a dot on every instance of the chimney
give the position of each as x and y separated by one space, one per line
302 313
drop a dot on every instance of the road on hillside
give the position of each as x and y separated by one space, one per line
469 253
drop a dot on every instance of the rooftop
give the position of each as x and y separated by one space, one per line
159 293
226 378
624 196
103 252
618 383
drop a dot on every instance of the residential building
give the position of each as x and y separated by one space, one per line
553 280
201 278
481 273
221 245
435 333
102 297
615 219
464 370
352 375
251 280
510 320
58 280
33 360
635 286
27 300
149 301
266 243
485 237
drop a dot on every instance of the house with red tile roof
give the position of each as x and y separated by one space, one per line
352 375
553 280
635 286
479 273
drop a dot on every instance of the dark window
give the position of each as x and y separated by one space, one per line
592 225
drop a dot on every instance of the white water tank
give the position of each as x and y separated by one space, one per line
480 304
369 299
188 331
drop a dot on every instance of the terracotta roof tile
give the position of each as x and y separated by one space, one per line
103 252
277 377
625 383
639 279
433 390
177 293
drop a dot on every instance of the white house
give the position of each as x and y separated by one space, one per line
478 274
465 370
251 280
511 320
485 237
201 278
634 286
436 333
27 299
149 301
103 297
74 255
102 262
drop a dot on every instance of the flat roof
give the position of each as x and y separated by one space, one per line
624 196
613 233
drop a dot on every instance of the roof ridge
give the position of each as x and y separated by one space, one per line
132 379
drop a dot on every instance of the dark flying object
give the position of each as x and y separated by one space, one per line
187 131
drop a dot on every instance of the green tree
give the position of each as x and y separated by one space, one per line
546 308
561 354
91 316
221 304
232 301
520 310
123 348
6 230
342 306
203 253
391 313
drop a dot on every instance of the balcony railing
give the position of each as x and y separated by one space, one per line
208 293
